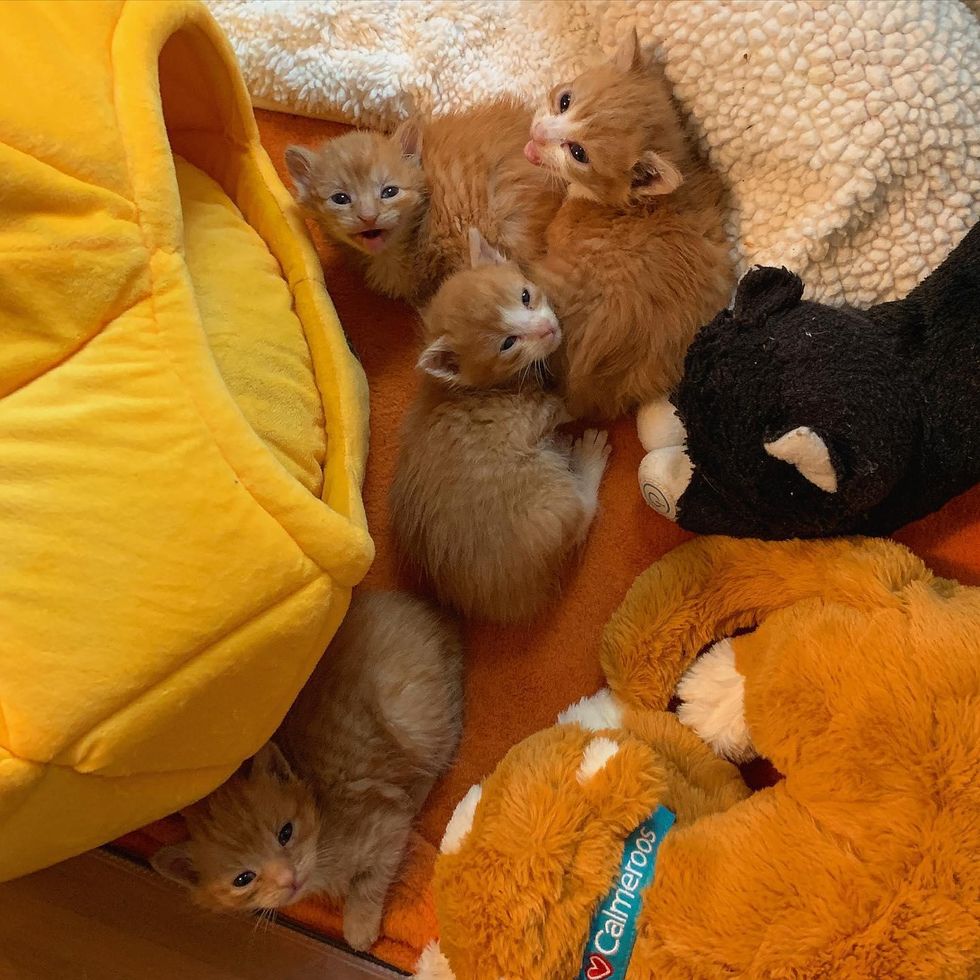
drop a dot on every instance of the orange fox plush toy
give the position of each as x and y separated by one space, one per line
859 680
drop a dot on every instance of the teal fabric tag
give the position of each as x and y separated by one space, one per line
613 930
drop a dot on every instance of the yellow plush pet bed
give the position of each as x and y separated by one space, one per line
182 427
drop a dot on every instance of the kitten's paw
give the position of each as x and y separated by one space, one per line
591 451
713 695
362 927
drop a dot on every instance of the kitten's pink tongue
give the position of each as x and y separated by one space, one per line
374 244
532 154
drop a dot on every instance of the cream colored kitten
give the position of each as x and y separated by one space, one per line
326 808
404 202
488 500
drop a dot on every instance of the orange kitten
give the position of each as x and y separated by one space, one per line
363 189
487 499
404 202
327 807
637 257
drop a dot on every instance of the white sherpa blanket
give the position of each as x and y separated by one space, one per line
849 131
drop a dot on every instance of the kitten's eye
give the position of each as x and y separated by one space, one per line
285 832
509 341
565 101
526 298
578 152
340 198
389 191
245 878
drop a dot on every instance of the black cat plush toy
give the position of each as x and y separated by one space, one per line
795 419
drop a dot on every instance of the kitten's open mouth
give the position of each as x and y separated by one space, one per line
372 240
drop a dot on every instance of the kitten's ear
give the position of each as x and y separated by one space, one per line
481 252
299 161
409 138
765 291
269 761
628 56
175 863
440 360
653 175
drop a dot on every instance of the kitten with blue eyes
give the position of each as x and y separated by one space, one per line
403 203
489 502
637 257
326 808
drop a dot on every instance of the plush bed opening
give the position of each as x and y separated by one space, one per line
245 304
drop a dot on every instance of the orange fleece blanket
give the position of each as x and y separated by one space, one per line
517 678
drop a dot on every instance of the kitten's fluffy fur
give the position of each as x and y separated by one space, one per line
461 170
353 761
637 258
487 500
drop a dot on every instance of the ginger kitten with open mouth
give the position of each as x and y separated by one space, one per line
404 202
364 191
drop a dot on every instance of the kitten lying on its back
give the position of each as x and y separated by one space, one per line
326 808
487 500
404 203
637 258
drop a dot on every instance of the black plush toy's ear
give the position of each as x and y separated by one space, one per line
765 291
806 450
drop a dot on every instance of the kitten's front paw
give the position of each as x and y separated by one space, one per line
713 695
590 453
362 927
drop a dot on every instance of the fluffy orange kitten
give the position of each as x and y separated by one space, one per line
637 257
326 808
488 501
404 202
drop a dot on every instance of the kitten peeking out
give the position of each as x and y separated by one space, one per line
403 202
365 189
637 258
488 501
326 808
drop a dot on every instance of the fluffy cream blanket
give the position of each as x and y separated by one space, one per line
849 131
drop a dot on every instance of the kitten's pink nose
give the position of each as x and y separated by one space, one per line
545 329
282 877
369 218
532 153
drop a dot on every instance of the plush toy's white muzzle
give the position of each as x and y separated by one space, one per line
658 426
666 470
664 476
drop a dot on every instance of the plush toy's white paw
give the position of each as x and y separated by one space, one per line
595 758
713 694
658 426
595 713
461 822
664 475
433 965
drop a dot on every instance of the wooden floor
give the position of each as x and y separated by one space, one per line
99 917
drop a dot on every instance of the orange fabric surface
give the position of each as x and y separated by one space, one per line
517 678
